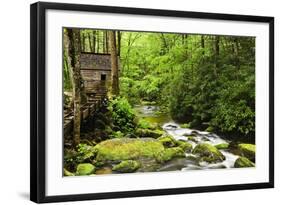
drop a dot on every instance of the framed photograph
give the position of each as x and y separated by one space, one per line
129 102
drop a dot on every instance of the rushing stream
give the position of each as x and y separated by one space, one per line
150 114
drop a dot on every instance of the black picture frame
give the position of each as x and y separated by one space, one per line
38 100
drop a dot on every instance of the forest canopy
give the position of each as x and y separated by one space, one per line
199 79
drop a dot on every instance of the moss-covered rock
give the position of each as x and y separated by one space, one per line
67 173
186 146
167 141
149 133
85 169
243 162
248 151
222 146
127 166
128 149
208 153
170 153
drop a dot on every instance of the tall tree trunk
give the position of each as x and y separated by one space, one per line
82 45
119 43
114 63
217 53
94 41
98 41
164 46
90 42
106 42
203 44
236 54
74 46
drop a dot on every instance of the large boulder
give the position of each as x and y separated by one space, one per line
208 153
170 153
248 151
127 166
85 169
116 150
243 162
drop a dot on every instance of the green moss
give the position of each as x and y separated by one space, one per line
170 153
128 148
243 162
149 133
222 146
186 146
127 166
208 153
85 169
117 134
85 153
167 141
248 150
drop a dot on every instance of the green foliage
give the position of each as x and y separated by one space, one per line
117 134
144 124
85 153
123 114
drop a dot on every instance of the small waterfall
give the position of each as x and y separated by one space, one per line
173 129
192 136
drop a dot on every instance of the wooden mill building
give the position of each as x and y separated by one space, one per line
95 69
